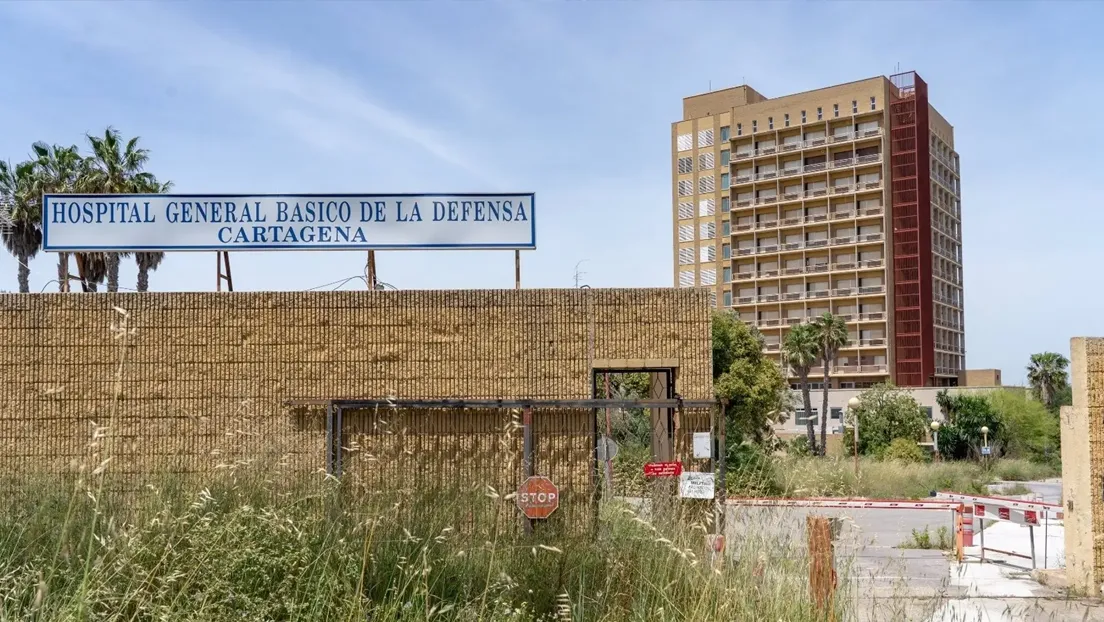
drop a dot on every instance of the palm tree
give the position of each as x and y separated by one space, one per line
149 261
1047 375
116 169
831 333
23 238
800 350
58 170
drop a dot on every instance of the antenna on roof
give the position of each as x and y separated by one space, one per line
710 85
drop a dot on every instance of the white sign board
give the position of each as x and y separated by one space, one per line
241 222
703 445
694 485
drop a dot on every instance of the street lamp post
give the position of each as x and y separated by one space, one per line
935 438
985 451
853 404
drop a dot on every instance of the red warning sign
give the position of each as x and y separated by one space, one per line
663 469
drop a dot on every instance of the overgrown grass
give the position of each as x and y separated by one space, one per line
756 474
925 540
242 548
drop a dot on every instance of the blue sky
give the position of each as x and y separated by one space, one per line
572 101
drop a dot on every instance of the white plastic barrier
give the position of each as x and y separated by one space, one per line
1029 513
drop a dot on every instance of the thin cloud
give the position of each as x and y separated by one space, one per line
264 81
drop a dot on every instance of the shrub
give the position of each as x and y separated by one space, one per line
884 413
1031 432
904 450
960 437
923 540
798 446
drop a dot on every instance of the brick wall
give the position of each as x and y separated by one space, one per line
205 375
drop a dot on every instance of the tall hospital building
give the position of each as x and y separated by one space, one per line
843 199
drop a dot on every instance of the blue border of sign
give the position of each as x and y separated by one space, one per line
298 247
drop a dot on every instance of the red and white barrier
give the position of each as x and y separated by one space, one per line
1028 513
851 504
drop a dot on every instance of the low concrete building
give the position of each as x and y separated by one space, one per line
837 406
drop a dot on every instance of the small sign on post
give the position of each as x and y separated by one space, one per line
703 445
695 485
985 451
537 497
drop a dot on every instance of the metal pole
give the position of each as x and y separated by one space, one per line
856 429
527 453
1046 537
517 269
722 449
981 532
371 270
329 438
1031 534
609 435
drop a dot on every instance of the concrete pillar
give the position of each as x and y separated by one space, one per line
1083 466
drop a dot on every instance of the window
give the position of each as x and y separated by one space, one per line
837 414
873 103
835 110
727 274
854 107
705 184
707 207
708 230
708 253
820 113
726 228
705 138
725 157
686 256
755 126
725 181
686 278
724 133
726 203
685 210
928 412
726 251
727 299
686 233
709 277
786 120
705 161
770 123
685 165
685 188
802 116
739 129
801 419
685 142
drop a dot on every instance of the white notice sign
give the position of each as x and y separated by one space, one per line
249 222
702 442
694 485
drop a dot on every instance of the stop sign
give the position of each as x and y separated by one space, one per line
537 497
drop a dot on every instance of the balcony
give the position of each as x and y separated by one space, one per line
860 369
868 343
747 178
770 322
872 237
772 347
747 226
769 298
820 293
740 276
945 371
847 239
872 289
821 243
842 215
872 317
767 274
762 250
767 224
745 251
843 291
793 295
745 300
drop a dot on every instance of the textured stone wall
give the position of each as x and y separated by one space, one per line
1083 467
200 380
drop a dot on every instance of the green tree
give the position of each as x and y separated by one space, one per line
752 383
831 333
884 413
800 350
115 167
59 170
1030 430
960 437
1047 376
23 236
